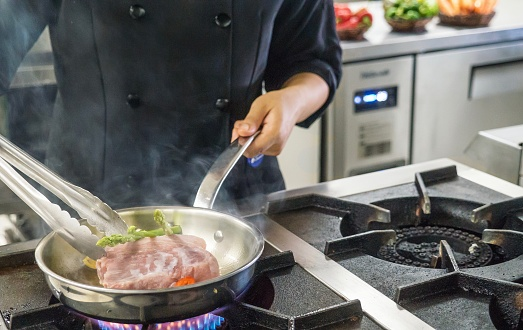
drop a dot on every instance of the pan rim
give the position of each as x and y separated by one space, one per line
256 233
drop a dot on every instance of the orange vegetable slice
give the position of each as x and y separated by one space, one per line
185 281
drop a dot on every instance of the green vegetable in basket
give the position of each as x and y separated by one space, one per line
410 9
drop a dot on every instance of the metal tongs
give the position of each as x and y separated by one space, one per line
88 206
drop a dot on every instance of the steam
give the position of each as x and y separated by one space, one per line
33 89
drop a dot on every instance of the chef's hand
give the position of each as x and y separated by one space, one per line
277 112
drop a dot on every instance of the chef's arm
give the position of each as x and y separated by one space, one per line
309 92
302 74
278 111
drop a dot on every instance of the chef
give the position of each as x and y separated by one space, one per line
151 92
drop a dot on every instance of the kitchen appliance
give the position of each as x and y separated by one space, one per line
434 245
368 126
460 92
498 152
397 111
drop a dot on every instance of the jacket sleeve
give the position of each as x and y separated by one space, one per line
21 23
305 40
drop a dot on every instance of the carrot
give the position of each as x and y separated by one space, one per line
446 8
477 6
456 6
185 281
467 7
487 6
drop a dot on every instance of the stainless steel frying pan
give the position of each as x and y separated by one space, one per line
235 243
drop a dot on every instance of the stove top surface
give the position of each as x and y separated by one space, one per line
401 296
357 253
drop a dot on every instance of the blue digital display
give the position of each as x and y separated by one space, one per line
371 99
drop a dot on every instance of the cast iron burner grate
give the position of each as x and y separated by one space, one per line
282 296
419 247
453 226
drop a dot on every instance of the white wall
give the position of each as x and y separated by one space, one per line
300 160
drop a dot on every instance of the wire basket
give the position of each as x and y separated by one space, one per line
353 34
407 25
471 20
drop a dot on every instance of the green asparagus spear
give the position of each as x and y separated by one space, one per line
159 217
134 234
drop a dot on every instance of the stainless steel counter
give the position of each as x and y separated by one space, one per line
381 42
397 176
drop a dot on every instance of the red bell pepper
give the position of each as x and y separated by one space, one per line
350 24
364 16
343 12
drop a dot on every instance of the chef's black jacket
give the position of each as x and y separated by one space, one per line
149 90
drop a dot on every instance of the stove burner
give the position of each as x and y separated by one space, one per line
102 325
418 246
204 322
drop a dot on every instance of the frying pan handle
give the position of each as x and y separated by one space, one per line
212 182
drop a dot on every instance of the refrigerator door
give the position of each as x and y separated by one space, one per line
461 92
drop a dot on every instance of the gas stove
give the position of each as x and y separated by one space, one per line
435 245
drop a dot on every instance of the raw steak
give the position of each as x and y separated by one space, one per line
156 263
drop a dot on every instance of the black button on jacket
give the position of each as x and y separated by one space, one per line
140 81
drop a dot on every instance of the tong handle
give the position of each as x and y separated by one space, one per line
88 206
80 237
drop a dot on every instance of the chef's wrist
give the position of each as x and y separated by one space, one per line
308 92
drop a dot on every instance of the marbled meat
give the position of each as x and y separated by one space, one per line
156 263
